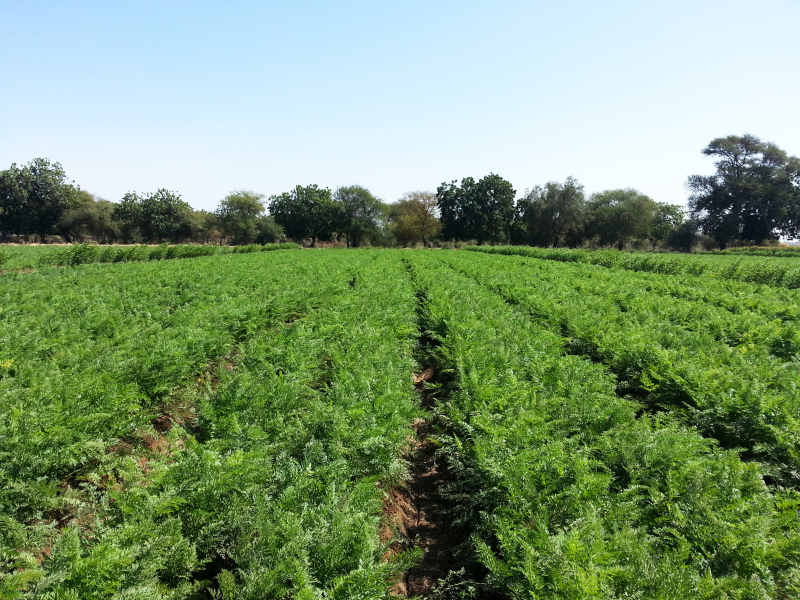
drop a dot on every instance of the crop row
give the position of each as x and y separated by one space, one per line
735 297
571 490
96 361
767 272
781 251
283 492
651 298
742 395
89 356
82 254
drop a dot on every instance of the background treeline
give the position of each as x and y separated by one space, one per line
752 199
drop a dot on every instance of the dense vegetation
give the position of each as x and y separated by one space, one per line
766 272
229 426
752 198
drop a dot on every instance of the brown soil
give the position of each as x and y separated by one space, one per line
20 271
419 512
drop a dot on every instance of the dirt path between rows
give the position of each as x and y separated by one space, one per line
418 509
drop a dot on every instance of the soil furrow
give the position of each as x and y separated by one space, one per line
418 509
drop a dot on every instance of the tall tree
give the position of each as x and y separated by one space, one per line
157 216
359 213
620 216
206 227
683 237
754 195
482 210
305 212
667 218
239 214
413 218
89 217
33 198
553 213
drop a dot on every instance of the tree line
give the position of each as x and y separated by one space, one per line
752 198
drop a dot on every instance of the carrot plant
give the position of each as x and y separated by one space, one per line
572 491
744 394
91 357
769 273
230 426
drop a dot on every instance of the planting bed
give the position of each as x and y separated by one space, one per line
371 423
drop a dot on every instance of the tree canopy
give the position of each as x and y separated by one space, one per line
553 213
477 210
33 198
753 197
359 213
620 216
413 218
754 194
88 217
157 216
305 212
239 214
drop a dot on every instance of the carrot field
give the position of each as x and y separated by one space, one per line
338 423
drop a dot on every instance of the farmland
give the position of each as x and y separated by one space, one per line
255 425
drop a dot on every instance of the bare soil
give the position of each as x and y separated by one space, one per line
419 512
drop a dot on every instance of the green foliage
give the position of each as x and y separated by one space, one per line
618 217
667 219
277 492
570 493
359 214
784 275
754 194
88 218
305 212
157 216
34 198
668 354
81 254
778 251
239 214
553 214
477 210
229 427
413 220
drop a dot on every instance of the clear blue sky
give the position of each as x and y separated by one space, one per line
207 97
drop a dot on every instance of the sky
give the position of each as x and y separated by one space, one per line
204 98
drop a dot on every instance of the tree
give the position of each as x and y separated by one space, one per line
482 210
413 218
89 218
33 198
239 214
667 218
206 227
683 237
553 213
359 213
754 195
268 230
305 212
620 216
158 216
